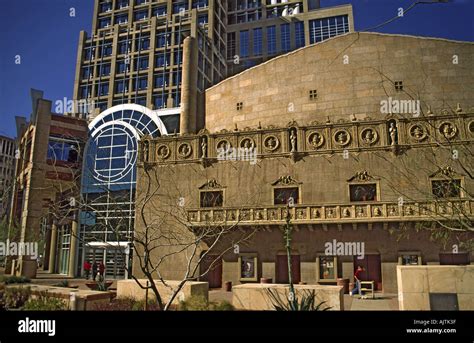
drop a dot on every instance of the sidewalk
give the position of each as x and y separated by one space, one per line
382 302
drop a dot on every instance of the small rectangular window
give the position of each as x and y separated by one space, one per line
398 86
410 259
461 258
327 268
313 94
363 192
446 188
212 198
282 196
239 106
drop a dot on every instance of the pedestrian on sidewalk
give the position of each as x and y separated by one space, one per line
87 269
356 288
94 270
101 270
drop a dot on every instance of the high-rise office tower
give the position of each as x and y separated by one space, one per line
136 51
258 30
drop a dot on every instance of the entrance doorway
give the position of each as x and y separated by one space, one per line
214 276
114 257
63 250
281 269
373 269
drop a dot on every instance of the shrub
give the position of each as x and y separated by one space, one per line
2 296
45 303
307 303
194 303
118 304
16 297
125 304
63 283
140 305
14 279
221 306
200 303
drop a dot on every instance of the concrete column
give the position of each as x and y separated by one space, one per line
189 86
52 248
73 248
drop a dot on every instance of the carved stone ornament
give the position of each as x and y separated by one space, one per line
211 184
361 176
184 150
247 143
377 211
342 137
448 130
315 140
163 152
285 180
368 136
446 171
418 132
271 143
203 147
146 150
223 145
471 127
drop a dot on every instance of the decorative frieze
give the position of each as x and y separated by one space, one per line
294 141
325 214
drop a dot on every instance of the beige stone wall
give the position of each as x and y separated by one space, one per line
415 283
130 289
255 296
277 91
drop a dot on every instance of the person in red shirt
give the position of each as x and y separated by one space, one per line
101 270
87 269
357 280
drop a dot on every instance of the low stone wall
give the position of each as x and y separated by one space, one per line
85 299
255 296
419 285
130 288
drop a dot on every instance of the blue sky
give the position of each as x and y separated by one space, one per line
44 34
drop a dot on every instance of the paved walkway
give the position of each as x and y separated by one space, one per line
382 302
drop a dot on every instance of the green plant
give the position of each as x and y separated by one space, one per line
16 297
200 303
140 305
118 304
2 296
45 302
221 306
14 279
63 283
288 303
194 303
125 304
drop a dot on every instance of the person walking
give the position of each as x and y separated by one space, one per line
94 270
357 280
87 269
101 270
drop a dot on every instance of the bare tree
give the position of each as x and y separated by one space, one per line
165 235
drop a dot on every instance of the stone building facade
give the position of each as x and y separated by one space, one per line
330 158
7 168
46 178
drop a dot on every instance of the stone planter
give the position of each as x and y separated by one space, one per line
95 285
